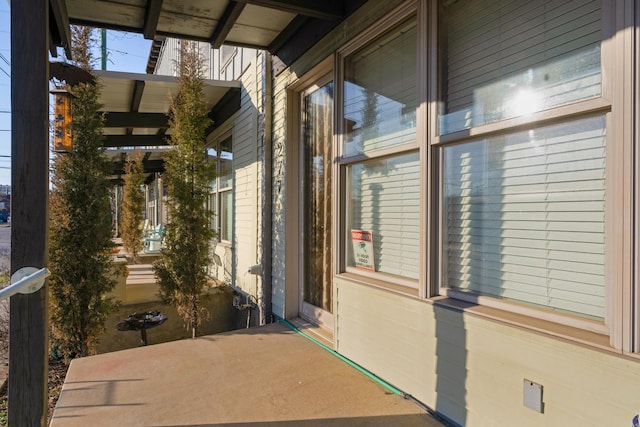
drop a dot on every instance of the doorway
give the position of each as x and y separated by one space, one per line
316 293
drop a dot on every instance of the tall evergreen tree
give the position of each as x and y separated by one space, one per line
182 270
133 205
80 223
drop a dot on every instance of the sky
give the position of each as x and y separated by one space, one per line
125 52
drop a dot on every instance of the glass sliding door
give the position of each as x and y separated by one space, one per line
317 135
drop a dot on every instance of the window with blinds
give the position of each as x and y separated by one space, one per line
508 58
524 216
384 200
221 189
382 209
380 92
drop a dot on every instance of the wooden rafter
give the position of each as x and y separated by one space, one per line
149 166
136 98
151 18
62 33
134 141
226 23
330 10
135 120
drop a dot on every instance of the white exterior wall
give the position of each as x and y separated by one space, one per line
166 65
278 273
246 184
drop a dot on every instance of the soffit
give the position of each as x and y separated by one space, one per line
251 23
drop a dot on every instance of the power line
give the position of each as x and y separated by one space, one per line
5 59
125 53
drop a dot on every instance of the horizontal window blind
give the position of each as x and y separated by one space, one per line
226 222
508 58
380 92
524 216
385 201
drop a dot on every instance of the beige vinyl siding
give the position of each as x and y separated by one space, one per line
472 369
245 184
465 365
165 65
280 196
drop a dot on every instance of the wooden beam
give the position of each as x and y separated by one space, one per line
225 108
288 32
329 10
297 39
134 140
135 120
150 166
29 349
59 17
226 23
136 97
151 18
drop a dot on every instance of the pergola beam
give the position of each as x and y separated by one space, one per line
151 18
330 10
226 23
134 140
135 120
149 166
136 98
58 12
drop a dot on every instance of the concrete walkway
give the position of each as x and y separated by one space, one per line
252 377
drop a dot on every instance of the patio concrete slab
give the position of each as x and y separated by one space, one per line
252 377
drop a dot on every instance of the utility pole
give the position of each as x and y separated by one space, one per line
103 44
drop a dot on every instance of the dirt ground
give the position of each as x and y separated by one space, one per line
57 370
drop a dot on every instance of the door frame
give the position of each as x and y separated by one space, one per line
294 225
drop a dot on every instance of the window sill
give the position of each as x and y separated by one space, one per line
557 330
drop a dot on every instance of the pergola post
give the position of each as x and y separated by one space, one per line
28 352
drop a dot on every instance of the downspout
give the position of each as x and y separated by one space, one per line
267 195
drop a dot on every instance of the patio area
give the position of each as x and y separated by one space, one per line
263 376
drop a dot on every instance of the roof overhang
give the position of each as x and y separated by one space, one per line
283 27
136 110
